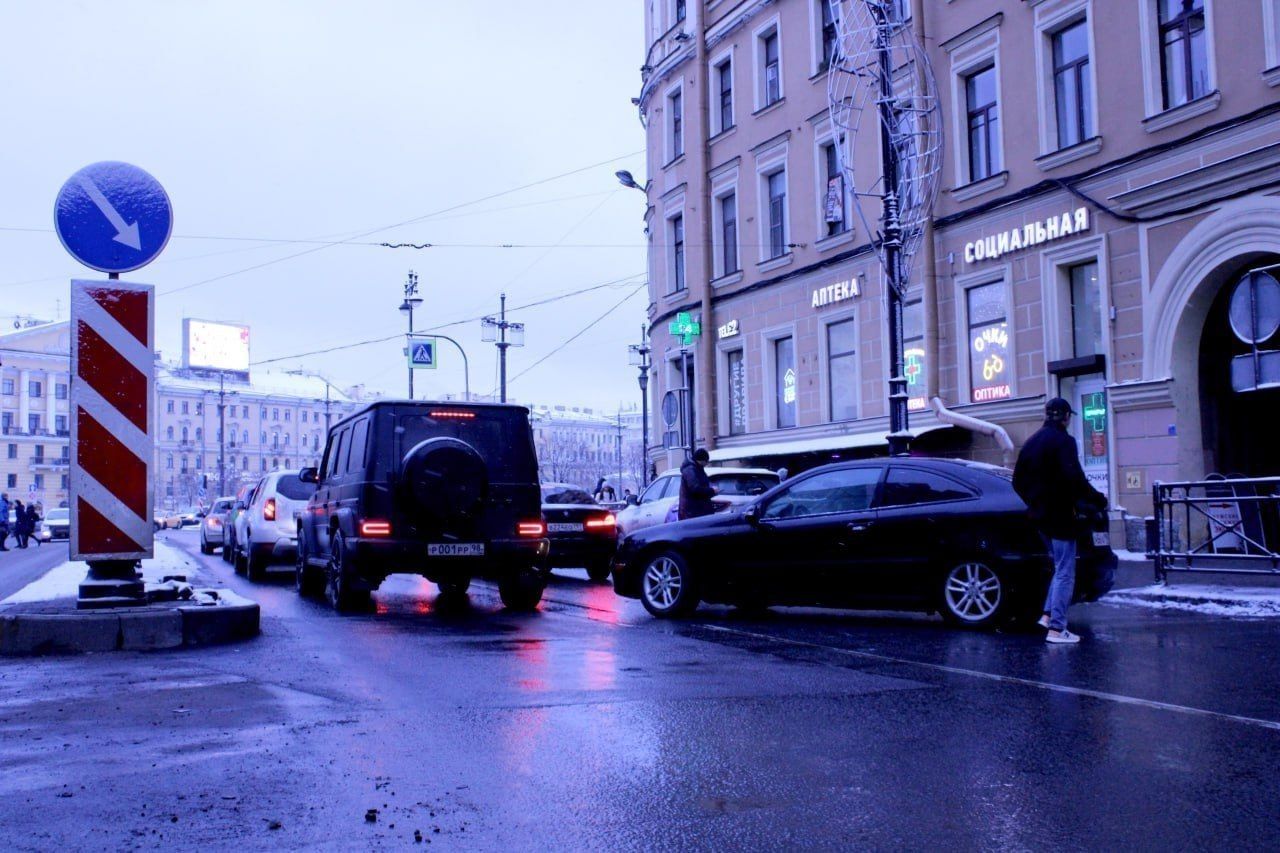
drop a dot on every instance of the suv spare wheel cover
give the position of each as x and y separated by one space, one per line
446 478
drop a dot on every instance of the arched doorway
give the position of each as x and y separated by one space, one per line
1237 428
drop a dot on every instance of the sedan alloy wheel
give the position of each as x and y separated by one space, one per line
972 594
666 589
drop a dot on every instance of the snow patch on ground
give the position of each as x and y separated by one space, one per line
1244 602
63 581
1131 556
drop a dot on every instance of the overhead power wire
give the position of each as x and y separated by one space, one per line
409 221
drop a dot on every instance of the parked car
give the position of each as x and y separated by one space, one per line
163 519
904 534
267 529
190 516
55 525
659 501
243 496
211 526
445 490
583 533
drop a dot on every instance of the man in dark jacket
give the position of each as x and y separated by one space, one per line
696 491
4 520
1048 477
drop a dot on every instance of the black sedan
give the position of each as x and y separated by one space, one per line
894 534
582 532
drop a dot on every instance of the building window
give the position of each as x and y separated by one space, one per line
35 389
677 254
13 451
990 369
275 414
199 434
829 25
1072 98
60 391
834 215
784 369
724 76
244 464
777 215
38 481
737 373
186 407
771 79
199 461
304 417
681 12
983 123
37 453
245 439
287 413
1086 312
244 412
168 462
8 388
12 481
1184 61
675 124
168 433
184 435
66 482
33 424
729 234
842 367
60 422
168 406
262 415
184 463
913 356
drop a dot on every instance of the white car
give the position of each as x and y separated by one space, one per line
211 525
658 502
56 524
266 531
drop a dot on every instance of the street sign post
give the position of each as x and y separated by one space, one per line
112 424
422 353
113 217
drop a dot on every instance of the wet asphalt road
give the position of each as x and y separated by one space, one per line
21 566
589 725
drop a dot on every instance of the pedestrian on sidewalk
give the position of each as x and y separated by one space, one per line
4 520
20 523
696 490
33 522
1048 477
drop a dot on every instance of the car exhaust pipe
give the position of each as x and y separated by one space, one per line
977 425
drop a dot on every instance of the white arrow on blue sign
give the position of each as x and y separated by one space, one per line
422 353
113 217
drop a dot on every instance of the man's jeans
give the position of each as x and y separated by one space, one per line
1063 583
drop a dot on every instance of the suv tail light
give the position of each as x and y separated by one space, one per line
269 509
371 527
603 524
531 528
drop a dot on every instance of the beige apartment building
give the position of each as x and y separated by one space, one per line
1111 170
273 420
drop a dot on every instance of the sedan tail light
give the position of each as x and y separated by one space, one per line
603 524
531 528
370 527
269 509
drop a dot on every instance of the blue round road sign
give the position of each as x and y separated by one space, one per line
113 217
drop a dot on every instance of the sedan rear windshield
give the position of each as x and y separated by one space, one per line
502 439
221 506
561 495
294 489
742 485
58 515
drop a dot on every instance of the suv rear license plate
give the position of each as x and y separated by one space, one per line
456 549
564 527
1101 540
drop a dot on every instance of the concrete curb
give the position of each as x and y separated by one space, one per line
51 630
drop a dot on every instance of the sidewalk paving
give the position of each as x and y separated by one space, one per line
42 617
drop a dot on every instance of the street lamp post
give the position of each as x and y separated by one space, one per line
639 357
411 301
496 332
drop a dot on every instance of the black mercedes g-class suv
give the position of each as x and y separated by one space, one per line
445 490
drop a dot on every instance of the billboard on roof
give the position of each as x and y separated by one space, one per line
215 346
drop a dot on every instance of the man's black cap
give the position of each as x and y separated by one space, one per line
1058 408
701 455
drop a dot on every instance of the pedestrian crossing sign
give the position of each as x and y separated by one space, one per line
422 353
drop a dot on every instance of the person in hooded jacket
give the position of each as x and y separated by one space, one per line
696 490
1049 479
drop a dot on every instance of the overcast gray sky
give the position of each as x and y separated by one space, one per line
323 120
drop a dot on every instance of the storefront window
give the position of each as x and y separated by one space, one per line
1086 313
842 367
990 370
913 356
784 352
737 392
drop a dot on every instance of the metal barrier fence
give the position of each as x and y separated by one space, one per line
1216 525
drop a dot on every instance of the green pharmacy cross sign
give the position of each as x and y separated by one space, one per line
1095 411
685 327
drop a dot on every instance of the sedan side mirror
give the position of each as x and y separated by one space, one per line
309 475
752 514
